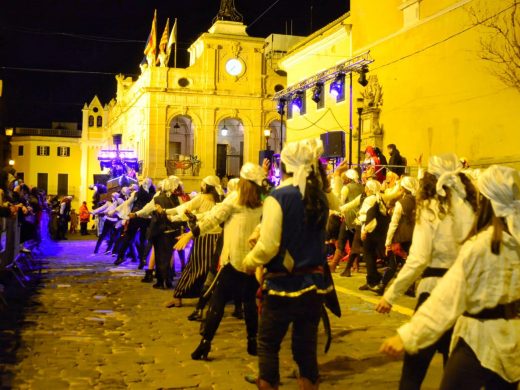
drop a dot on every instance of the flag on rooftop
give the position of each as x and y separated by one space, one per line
151 44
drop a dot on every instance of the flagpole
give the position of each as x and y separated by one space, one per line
175 48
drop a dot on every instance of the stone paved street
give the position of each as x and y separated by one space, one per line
88 324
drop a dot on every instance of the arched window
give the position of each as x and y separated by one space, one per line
99 121
91 120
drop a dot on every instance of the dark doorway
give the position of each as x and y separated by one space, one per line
221 160
63 183
43 181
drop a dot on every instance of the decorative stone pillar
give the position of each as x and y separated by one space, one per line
372 131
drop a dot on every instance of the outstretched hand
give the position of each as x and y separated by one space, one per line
392 346
383 306
183 240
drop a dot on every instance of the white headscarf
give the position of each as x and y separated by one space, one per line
214 181
373 186
299 159
252 172
446 168
410 183
147 184
501 185
170 184
352 174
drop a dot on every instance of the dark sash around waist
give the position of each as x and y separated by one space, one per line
300 271
434 272
507 311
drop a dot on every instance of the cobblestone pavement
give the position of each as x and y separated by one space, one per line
87 324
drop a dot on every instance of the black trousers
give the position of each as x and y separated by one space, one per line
277 314
230 281
134 226
464 371
394 261
163 247
83 228
415 366
371 251
106 233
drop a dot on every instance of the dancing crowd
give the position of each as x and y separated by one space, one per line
449 235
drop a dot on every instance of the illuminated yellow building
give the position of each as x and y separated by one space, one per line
208 118
49 158
429 90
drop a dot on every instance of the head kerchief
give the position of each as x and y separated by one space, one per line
501 185
300 158
252 172
214 181
446 168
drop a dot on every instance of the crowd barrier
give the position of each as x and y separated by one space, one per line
15 260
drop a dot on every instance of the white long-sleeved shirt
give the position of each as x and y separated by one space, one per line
239 223
394 223
435 243
200 204
477 280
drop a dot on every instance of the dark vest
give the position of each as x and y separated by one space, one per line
160 222
142 198
304 242
406 224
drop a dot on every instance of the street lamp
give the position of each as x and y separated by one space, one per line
224 130
359 106
9 132
11 163
267 135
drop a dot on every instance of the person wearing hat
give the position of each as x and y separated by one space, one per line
400 230
291 250
445 206
194 274
240 213
480 294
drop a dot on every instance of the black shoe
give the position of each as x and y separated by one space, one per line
379 289
107 252
364 287
201 353
159 285
119 260
148 276
196 315
238 313
346 272
251 346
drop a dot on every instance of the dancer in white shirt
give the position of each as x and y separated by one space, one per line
480 293
446 203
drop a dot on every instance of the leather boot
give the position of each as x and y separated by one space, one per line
148 276
306 384
201 352
252 346
333 263
264 385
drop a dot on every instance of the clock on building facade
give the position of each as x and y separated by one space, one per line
235 67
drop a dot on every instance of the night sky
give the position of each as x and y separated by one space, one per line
56 55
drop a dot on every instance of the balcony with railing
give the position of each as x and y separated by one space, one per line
28 131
